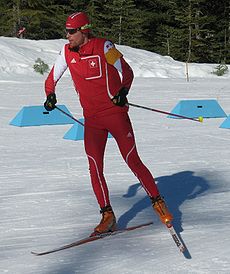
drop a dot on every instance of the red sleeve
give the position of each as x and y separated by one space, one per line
50 83
127 74
115 58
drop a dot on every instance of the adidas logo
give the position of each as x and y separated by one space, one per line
129 135
73 61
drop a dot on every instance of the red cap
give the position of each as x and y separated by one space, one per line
78 20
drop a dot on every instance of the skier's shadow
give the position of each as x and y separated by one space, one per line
176 189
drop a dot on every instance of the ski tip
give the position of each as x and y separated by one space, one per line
37 254
34 253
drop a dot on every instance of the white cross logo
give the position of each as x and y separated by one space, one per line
92 64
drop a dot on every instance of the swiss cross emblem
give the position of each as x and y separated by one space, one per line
92 63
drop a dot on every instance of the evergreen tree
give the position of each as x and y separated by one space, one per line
164 28
187 30
42 19
96 10
220 13
191 33
122 22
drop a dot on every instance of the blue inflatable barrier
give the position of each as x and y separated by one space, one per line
76 132
39 116
226 123
198 108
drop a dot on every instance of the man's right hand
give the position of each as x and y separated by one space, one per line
50 102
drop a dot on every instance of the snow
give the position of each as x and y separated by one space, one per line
46 196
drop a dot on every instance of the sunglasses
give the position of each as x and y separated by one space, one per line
72 31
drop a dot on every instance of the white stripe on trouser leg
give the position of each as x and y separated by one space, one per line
102 189
127 156
126 159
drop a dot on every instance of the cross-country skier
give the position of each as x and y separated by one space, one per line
102 79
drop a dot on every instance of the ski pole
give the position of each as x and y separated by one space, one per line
70 116
199 119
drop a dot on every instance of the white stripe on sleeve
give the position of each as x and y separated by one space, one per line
60 65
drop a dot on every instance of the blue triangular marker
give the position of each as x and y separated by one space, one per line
38 116
226 123
76 132
198 108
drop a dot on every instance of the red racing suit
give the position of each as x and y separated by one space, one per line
95 76
99 71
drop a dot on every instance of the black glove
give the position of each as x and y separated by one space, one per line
50 102
120 98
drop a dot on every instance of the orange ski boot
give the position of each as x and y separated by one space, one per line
161 209
108 222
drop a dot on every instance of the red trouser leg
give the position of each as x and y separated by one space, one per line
95 141
120 127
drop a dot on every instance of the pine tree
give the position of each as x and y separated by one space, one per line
164 28
193 35
96 10
9 17
187 30
122 22
220 13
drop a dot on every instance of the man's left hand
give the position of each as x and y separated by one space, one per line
120 98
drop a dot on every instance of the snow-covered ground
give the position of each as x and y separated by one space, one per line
46 196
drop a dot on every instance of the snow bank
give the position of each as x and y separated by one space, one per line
17 57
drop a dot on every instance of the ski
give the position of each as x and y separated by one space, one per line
91 239
176 238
